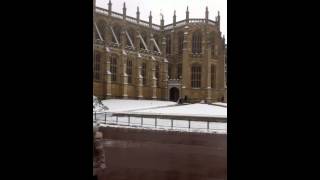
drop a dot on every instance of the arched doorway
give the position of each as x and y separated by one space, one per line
174 94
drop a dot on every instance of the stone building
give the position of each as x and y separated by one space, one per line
138 59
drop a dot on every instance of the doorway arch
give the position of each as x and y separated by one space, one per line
174 94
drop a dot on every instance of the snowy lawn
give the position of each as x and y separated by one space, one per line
220 104
203 110
121 105
163 108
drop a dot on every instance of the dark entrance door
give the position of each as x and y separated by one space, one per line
174 94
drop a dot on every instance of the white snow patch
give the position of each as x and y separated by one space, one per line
203 110
220 104
121 105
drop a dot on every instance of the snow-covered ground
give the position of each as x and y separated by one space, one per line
203 110
121 105
154 107
220 104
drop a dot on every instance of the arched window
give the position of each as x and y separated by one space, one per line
129 70
102 26
113 68
132 36
144 73
196 76
96 66
168 44
196 42
180 42
117 32
213 76
158 74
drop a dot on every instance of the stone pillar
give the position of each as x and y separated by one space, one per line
139 67
138 15
124 11
187 14
220 68
124 64
109 8
154 79
124 77
108 76
206 66
207 14
185 64
174 18
165 79
139 78
164 83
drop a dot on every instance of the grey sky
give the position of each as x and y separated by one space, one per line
166 7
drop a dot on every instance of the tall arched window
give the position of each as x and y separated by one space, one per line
180 42
96 66
129 70
113 68
196 42
102 26
213 76
158 74
117 32
196 76
168 44
144 73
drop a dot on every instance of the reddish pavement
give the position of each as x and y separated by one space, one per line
153 155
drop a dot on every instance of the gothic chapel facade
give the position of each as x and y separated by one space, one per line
138 59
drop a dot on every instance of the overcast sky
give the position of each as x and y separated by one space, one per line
166 7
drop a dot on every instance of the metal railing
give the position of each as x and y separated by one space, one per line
168 122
